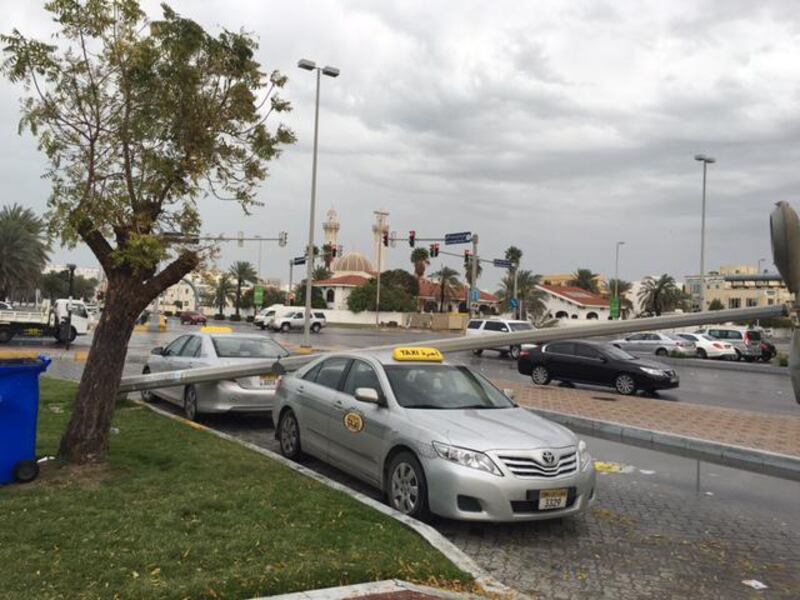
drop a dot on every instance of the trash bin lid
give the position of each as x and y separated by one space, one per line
22 362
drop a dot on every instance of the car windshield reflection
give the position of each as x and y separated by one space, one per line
617 354
247 347
445 387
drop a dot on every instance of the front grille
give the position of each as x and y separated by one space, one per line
532 466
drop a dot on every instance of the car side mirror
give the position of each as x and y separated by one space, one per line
157 350
368 395
509 393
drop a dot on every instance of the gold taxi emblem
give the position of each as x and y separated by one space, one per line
354 422
417 354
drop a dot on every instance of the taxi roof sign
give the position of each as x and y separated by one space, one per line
216 329
417 354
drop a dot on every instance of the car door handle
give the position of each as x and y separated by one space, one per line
339 404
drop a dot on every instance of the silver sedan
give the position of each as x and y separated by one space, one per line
247 394
436 437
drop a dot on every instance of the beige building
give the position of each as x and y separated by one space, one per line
739 286
565 279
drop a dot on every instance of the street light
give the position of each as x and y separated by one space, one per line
706 160
616 277
310 65
68 337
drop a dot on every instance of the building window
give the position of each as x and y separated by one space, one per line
770 301
330 296
734 303
591 315
752 302
561 315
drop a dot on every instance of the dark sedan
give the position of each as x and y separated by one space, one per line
595 363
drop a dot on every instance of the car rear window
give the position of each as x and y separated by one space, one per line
247 347
561 348
494 326
474 325
520 326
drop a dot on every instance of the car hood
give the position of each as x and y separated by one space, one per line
650 364
491 429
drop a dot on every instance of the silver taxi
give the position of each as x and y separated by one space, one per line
216 346
435 436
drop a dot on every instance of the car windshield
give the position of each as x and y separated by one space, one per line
520 326
617 354
247 347
445 387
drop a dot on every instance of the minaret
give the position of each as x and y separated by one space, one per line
378 229
331 228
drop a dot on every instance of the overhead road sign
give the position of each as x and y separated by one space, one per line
502 263
462 237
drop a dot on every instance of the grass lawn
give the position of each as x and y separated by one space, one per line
179 513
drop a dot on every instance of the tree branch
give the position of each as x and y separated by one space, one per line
97 243
171 274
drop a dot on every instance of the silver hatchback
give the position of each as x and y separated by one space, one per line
436 437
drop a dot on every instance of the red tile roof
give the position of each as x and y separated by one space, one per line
342 281
576 295
431 290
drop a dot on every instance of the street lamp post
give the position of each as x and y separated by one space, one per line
616 278
68 336
310 65
706 160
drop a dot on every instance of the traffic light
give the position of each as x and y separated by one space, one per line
283 237
333 251
411 237
386 238
434 250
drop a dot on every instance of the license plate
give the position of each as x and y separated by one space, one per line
552 499
267 379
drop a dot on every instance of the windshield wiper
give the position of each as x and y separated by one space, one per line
478 406
425 406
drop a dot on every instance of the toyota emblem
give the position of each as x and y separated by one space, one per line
548 457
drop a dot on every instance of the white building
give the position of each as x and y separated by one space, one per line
348 272
574 303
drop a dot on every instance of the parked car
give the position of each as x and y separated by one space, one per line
297 320
495 326
660 344
266 315
246 394
190 317
746 342
6 306
709 347
596 363
436 437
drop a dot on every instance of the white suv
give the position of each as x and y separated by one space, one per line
495 326
297 320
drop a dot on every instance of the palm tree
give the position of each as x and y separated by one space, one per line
420 257
24 249
586 280
621 287
224 291
321 272
242 271
660 295
448 282
532 297
514 254
327 255
468 269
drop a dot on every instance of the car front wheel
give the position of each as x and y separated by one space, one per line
540 375
190 404
625 384
289 436
408 490
285 328
701 353
661 352
315 327
514 352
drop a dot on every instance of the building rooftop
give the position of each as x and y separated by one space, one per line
576 295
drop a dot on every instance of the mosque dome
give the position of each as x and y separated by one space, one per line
352 262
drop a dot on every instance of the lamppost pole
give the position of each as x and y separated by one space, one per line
68 337
706 160
616 278
309 65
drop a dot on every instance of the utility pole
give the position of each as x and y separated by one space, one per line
518 309
381 228
616 279
706 160
474 276
68 337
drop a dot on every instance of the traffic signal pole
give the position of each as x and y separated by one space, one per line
473 284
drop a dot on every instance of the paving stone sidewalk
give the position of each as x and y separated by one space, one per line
772 433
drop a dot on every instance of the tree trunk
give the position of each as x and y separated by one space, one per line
238 297
86 439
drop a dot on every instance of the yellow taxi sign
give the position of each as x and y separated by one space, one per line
216 329
417 354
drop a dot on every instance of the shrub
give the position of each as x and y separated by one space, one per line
168 313
249 318
235 317
219 317
783 359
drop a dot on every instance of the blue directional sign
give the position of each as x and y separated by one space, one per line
463 237
299 260
502 263
514 303
474 295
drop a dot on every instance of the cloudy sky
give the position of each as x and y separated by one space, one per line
560 127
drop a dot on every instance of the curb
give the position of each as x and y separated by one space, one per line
485 581
774 464
387 587
699 363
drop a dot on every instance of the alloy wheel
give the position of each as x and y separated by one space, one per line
625 384
190 404
540 376
405 488
289 437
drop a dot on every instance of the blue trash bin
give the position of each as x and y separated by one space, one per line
19 409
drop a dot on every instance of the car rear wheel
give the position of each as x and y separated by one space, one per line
408 490
190 404
624 384
315 327
701 353
540 375
514 352
6 335
289 436
147 395
661 352
285 328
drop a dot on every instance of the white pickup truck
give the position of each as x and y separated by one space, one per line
45 321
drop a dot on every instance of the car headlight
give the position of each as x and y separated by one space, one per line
467 458
653 372
584 457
